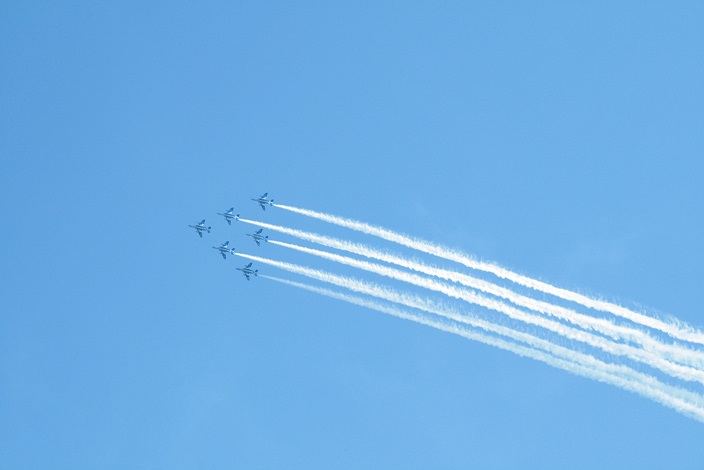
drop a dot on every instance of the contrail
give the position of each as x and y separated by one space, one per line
680 331
431 307
677 353
636 354
646 386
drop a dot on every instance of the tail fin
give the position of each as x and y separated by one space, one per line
271 202
266 239
209 229
256 271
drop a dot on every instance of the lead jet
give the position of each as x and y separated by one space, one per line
247 270
257 236
200 228
224 250
230 215
263 201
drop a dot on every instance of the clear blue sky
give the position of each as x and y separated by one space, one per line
563 141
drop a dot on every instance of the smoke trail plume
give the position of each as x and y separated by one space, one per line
680 331
676 353
686 403
636 354
662 391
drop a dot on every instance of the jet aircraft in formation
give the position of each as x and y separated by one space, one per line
257 237
200 228
230 215
224 250
247 271
263 201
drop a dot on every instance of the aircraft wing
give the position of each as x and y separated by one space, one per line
202 222
223 255
249 265
259 231
263 195
200 234
247 276
257 242
229 222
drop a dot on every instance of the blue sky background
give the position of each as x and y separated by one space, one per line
562 141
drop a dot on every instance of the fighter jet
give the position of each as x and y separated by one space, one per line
200 228
247 270
224 250
263 201
230 215
257 236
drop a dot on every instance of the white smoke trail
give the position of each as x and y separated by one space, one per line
676 353
681 331
636 354
426 305
687 403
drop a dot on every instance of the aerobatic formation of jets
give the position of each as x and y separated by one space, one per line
229 216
